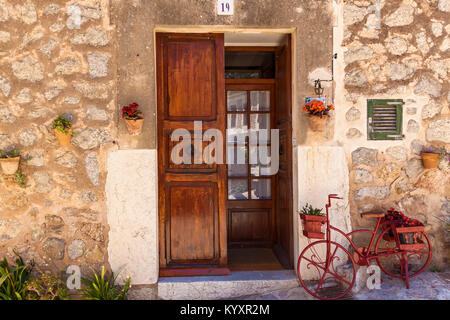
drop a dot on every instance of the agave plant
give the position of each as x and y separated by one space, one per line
13 280
103 287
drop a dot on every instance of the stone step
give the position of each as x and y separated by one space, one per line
239 283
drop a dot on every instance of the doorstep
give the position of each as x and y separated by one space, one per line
239 283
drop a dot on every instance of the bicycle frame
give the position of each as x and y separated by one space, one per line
366 256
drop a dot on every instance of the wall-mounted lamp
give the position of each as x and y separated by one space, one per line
318 89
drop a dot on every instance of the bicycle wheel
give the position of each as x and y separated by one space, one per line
326 282
391 264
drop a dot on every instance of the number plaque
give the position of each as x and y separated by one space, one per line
225 7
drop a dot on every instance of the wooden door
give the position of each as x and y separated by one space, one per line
284 214
192 216
250 105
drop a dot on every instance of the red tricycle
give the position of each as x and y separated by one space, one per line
327 270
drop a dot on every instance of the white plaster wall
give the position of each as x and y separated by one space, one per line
131 195
321 171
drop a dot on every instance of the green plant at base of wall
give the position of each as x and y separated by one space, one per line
435 269
46 287
13 279
103 287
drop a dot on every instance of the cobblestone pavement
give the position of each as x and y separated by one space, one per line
426 286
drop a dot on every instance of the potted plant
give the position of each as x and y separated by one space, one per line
9 161
317 112
313 218
134 118
63 130
406 231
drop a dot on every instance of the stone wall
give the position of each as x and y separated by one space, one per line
56 57
396 50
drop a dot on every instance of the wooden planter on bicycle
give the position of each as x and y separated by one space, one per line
408 238
312 226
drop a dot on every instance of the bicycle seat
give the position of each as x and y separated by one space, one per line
373 214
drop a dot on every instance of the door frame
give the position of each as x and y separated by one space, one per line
232 29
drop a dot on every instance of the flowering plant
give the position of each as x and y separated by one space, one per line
131 112
398 219
317 108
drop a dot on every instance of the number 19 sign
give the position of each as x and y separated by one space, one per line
225 7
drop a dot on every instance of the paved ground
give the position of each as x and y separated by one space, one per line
426 286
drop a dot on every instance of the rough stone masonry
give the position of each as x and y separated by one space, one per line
53 63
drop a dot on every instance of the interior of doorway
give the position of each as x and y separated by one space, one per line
247 57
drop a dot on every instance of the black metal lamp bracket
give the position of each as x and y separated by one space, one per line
318 89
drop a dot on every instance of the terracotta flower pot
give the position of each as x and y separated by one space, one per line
10 165
430 160
134 126
312 226
63 138
316 123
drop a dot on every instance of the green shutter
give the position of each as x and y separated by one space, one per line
384 119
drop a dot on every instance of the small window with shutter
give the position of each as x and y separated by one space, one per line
384 119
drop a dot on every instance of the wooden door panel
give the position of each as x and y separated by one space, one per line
250 226
191 79
192 208
206 166
192 217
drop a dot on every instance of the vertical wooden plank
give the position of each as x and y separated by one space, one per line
284 202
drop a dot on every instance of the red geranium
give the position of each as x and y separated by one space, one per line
398 219
131 112
317 108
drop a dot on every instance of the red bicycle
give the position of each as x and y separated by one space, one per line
327 270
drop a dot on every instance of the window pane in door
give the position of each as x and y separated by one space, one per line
236 128
237 189
236 100
237 159
261 121
260 100
260 189
260 170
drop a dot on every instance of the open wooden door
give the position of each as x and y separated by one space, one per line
283 207
192 197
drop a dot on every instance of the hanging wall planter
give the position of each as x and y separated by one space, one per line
9 162
430 160
317 123
63 138
134 119
63 130
317 112
134 126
